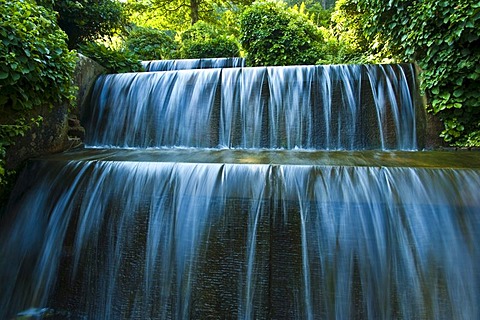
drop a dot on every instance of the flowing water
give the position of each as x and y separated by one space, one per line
249 193
183 64
307 107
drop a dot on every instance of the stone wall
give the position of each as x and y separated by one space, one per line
86 73
60 129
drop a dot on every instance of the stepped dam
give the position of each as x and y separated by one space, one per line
207 189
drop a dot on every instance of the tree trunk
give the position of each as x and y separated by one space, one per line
194 8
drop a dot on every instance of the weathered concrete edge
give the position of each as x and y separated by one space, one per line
86 72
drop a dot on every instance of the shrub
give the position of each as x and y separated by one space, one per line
336 51
205 41
211 48
273 34
36 68
115 61
151 44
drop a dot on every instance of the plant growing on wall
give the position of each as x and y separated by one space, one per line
36 68
443 38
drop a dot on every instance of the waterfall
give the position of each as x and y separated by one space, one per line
183 64
249 193
141 109
303 107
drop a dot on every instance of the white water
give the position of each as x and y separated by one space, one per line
183 64
147 241
306 107
288 232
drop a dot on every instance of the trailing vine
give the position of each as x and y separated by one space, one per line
443 38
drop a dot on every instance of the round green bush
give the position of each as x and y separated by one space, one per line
273 34
203 40
211 48
151 44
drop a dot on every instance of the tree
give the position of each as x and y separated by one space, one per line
87 20
179 15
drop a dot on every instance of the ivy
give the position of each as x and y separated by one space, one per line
443 38
36 68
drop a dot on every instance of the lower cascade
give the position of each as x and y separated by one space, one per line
273 204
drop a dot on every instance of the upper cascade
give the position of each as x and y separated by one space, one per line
331 107
183 64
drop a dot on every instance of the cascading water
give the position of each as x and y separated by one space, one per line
303 107
282 203
183 64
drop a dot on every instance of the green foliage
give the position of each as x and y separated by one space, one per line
87 20
227 19
273 34
443 37
203 40
151 44
115 61
36 69
318 15
335 51
8 134
36 66
346 41
150 14
347 29
319 12
472 139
